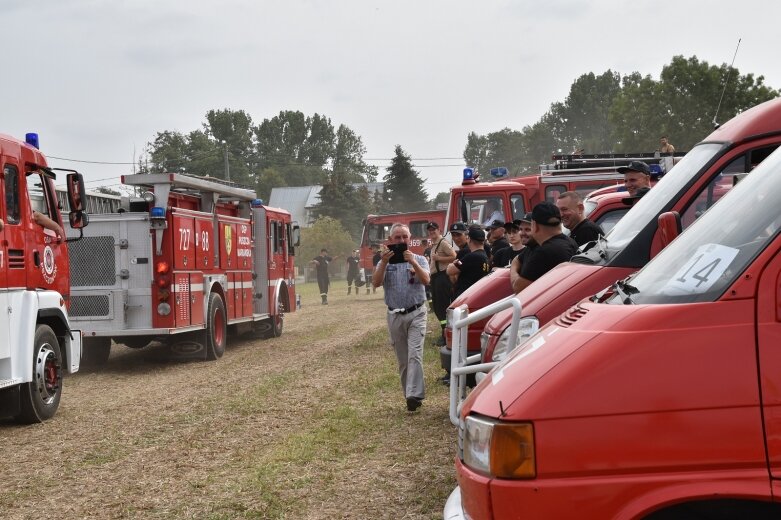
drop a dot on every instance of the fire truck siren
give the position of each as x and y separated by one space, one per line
31 138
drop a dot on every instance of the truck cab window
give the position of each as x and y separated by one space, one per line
11 175
37 193
417 229
519 210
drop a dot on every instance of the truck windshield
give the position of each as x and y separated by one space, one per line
649 207
717 248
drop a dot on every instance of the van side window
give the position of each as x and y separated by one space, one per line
11 175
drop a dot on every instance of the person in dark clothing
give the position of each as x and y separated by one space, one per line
323 280
518 235
375 260
354 272
440 256
581 229
553 246
496 238
473 266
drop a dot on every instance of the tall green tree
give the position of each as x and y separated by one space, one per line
403 185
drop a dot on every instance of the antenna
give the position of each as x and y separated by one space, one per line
729 72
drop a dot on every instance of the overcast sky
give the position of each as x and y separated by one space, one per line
98 78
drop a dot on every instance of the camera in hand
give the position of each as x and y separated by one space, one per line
398 253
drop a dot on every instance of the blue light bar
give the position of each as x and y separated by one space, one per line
499 172
157 212
469 174
31 138
256 203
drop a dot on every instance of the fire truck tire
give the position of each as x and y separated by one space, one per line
95 351
216 328
40 398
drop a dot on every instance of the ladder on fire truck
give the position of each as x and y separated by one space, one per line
209 189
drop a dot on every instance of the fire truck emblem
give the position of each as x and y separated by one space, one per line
228 240
49 266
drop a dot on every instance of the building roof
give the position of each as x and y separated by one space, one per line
299 200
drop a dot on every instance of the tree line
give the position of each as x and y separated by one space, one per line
605 113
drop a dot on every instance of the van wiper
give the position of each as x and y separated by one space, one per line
625 290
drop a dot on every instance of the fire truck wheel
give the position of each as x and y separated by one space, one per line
40 398
216 328
95 351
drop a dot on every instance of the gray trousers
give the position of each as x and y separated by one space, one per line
407 332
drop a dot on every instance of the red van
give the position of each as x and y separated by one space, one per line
705 174
659 398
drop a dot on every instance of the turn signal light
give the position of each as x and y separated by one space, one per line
163 282
162 267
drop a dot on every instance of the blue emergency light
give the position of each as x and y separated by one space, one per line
655 169
31 138
499 172
256 203
469 174
157 212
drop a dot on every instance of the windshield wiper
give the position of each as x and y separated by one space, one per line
625 290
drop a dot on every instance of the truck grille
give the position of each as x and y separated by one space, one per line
82 306
92 262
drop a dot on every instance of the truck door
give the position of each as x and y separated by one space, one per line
47 252
769 339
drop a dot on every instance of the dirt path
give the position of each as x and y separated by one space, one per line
308 425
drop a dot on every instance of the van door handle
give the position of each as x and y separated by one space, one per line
36 258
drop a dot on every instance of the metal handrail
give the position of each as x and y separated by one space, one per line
460 365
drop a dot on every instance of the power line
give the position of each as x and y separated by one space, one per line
85 161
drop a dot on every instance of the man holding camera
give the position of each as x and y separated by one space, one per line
404 276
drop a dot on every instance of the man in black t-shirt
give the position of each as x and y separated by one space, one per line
553 246
496 238
473 266
321 267
581 229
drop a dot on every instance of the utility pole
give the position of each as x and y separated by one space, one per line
227 166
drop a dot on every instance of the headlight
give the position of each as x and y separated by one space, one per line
498 449
527 327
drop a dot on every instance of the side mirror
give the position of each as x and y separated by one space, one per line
296 236
669 226
78 219
76 193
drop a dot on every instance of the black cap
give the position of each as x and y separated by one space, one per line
495 224
635 166
432 225
638 194
527 217
546 213
515 224
458 227
477 234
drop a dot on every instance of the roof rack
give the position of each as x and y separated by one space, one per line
181 183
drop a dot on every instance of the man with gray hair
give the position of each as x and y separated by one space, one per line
404 276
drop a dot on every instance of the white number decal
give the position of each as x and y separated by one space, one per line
701 272
205 240
184 239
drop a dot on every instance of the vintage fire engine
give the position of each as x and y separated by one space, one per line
37 344
189 262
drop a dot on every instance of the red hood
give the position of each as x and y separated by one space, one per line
563 281
487 290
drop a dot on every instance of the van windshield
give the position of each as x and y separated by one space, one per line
711 254
649 207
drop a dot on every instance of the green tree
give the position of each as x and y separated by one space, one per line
328 233
403 185
585 113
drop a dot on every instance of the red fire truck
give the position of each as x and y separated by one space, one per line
191 260
37 343
376 230
477 202
660 397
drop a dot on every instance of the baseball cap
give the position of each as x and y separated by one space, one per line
635 166
458 227
495 224
515 224
477 234
546 213
526 217
638 194
432 225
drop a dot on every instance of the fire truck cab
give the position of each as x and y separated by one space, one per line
376 230
37 343
191 260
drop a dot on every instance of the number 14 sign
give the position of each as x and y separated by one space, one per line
700 273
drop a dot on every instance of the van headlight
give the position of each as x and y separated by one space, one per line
527 327
499 449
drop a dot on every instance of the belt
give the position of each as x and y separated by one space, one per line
407 310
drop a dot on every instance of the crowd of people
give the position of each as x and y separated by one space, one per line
529 246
